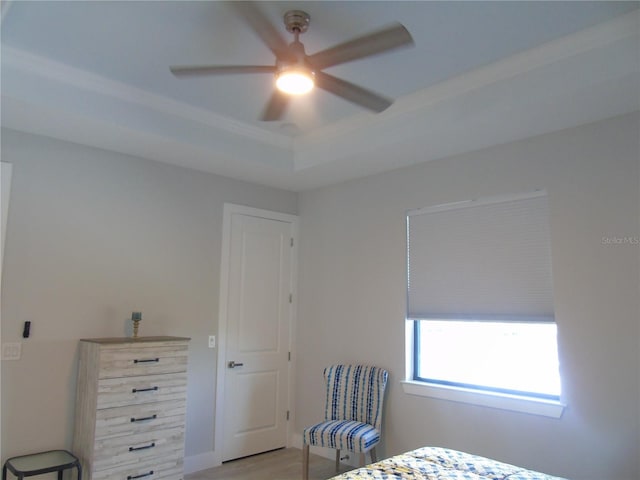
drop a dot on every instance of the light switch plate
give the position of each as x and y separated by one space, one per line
212 341
11 351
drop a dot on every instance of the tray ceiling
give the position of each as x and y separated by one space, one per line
480 73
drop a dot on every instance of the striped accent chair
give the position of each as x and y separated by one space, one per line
353 413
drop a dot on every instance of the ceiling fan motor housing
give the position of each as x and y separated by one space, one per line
296 21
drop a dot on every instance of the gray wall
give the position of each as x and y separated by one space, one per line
93 235
352 297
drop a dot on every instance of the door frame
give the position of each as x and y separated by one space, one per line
5 191
229 210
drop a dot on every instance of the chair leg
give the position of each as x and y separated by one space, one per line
337 460
362 460
305 462
374 457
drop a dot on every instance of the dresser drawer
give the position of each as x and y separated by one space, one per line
152 359
133 449
165 468
120 392
131 420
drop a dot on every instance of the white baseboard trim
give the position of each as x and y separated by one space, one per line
201 461
328 453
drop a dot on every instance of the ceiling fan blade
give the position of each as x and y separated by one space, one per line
351 92
260 24
188 70
373 43
275 107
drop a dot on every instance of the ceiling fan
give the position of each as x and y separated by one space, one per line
295 71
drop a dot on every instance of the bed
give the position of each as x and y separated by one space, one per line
434 463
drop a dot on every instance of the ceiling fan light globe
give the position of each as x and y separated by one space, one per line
295 82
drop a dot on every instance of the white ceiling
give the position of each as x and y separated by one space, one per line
481 73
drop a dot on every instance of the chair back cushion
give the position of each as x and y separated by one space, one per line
355 392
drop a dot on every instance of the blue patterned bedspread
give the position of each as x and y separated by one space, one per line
434 463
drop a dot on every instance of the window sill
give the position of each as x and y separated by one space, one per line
534 406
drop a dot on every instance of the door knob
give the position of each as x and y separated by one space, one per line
233 364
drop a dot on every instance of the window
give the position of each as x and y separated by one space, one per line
507 357
480 299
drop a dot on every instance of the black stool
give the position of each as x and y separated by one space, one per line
43 462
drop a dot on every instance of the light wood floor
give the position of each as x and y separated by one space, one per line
285 464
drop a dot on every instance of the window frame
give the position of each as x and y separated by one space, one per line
552 408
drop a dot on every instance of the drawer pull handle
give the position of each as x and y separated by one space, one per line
146 447
142 419
149 360
150 389
132 477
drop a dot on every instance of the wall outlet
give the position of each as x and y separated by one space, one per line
11 351
212 341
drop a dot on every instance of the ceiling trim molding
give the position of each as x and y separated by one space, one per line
598 36
43 67
560 49
37 119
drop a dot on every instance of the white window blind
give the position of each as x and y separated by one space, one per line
488 259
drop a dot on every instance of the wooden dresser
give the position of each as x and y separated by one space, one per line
130 408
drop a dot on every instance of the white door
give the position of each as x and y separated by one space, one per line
257 337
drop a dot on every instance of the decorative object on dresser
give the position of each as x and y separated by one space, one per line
130 408
136 318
